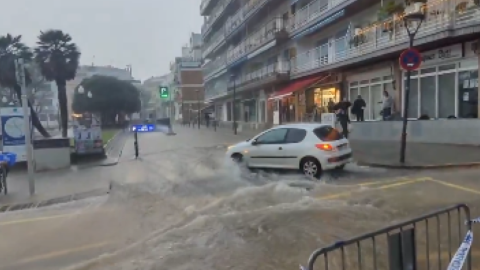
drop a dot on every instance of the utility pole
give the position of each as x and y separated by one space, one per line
20 74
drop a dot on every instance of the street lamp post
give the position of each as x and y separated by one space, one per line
20 74
198 107
412 23
234 114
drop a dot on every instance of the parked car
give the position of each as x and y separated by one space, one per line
309 147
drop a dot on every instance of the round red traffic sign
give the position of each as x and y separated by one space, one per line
410 59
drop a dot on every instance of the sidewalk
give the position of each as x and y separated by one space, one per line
418 155
387 154
59 184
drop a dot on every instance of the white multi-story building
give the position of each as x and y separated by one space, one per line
157 106
286 59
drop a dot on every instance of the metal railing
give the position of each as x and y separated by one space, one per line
203 4
412 244
243 14
280 67
213 43
441 15
215 14
311 12
214 66
260 37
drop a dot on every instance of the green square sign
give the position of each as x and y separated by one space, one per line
164 92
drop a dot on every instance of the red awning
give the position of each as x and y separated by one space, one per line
295 86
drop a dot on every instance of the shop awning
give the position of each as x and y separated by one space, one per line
297 85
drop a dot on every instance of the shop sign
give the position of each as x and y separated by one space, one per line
472 48
443 54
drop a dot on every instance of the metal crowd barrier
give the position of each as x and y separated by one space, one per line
426 242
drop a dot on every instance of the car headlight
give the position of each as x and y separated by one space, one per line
230 147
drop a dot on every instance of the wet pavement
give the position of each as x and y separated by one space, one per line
183 206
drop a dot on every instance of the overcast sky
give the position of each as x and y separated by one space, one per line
147 34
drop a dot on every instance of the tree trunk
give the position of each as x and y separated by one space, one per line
62 103
35 120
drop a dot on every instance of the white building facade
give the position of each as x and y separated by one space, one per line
287 59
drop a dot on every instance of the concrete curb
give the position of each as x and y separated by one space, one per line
58 200
421 167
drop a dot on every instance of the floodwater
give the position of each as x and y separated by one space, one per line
216 215
196 210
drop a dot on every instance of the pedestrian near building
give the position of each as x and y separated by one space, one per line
341 110
387 105
358 108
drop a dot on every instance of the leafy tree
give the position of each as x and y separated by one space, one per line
106 95
58 59
11 48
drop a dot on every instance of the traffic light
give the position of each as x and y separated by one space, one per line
164 92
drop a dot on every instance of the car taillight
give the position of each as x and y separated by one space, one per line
324 146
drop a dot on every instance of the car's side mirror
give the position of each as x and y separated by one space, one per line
254 142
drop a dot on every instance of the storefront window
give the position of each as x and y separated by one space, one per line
372 92
262 111
324 97
413 99
428 96
446 95
250 111
376 94
229 111
436 94
468 94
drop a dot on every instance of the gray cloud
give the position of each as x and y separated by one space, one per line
145 33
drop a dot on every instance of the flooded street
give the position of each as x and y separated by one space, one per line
186 207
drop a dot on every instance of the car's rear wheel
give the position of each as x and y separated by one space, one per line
311 167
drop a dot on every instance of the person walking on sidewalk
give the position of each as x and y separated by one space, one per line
341 110
387 105
358 108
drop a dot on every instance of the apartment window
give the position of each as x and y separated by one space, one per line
341 43
322 52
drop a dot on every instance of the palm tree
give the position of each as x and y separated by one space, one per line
58 59
11 48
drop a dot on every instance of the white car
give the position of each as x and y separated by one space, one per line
308 147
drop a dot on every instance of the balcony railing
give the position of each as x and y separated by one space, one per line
213 43
312 11
259 38
441 16
204 4
243 14
213 67
216 13
280 67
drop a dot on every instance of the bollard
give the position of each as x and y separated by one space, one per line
135 143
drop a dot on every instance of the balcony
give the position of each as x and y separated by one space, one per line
273 73
213 43
274 29
216 13
213 67
189 62
234 22
442 17
203 6
310 12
